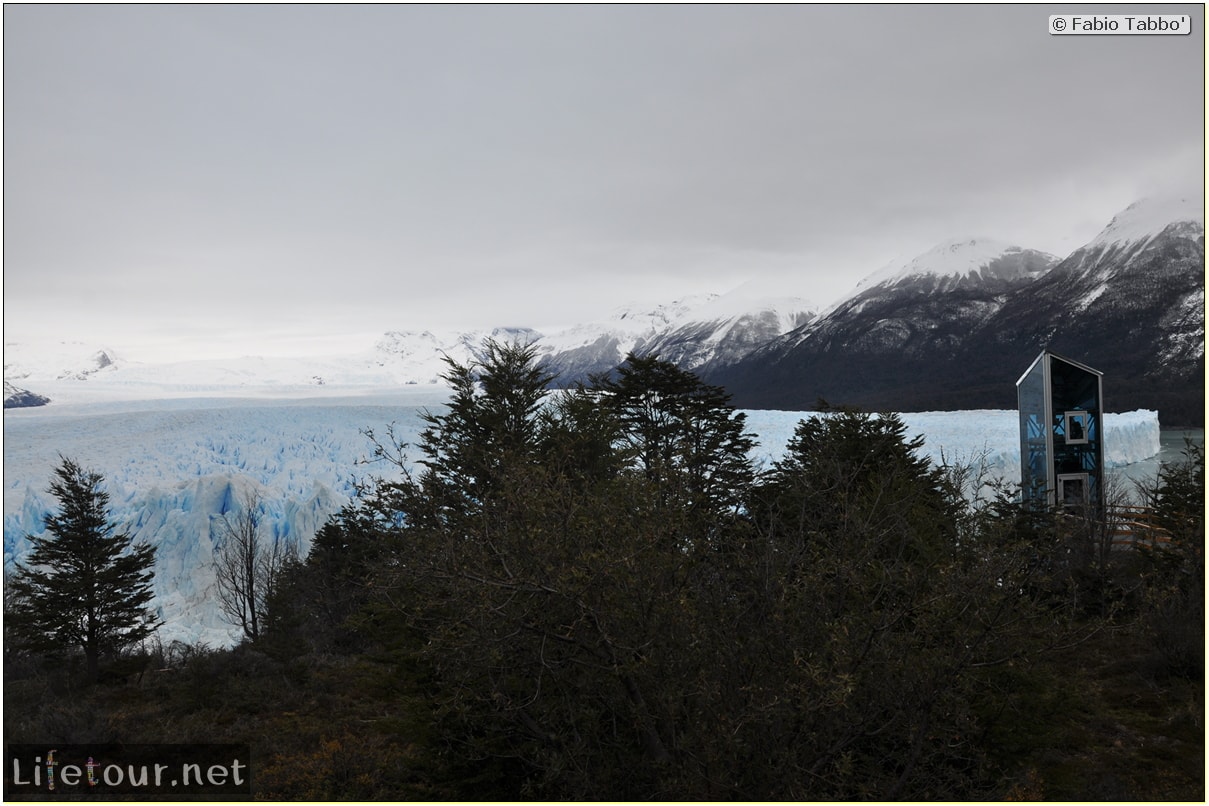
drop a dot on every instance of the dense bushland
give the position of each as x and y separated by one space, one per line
592 594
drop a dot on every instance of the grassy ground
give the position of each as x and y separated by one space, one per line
1120 728
1105 720
318 728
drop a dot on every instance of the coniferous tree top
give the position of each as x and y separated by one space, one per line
84 585
679 429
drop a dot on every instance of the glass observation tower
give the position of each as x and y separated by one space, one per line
1061 434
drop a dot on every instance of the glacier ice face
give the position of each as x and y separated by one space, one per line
173 467
171 470
990 437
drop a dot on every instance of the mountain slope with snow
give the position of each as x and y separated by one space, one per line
728 327
1148 218
712 328
598 347
18 398
414 357
58 361
891 331
1130 303
949 328
974 262
953 328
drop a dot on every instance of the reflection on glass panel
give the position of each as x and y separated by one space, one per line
1076 428
1073 490
1033 434
1073 387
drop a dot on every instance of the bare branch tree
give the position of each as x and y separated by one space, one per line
247 566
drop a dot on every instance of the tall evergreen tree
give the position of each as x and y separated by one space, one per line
853 477
683 434
492 423
85 585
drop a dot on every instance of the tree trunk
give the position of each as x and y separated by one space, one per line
92 668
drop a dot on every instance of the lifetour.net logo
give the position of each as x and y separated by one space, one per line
69 771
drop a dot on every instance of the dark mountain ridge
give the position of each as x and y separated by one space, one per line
1130 303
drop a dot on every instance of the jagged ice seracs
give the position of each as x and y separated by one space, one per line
173 466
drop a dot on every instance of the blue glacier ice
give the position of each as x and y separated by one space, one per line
172 467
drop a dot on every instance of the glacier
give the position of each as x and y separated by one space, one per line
173 466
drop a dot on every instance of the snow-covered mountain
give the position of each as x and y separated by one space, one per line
930 302
978 263
891 331
696 332
63 360
71 373
702 330
954 327
1131 303
17 398
1149 255
419 357
1179 215
727 328
597 347
949 328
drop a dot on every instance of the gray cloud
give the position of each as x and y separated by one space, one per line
191 173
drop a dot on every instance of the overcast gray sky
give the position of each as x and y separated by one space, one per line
198 181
